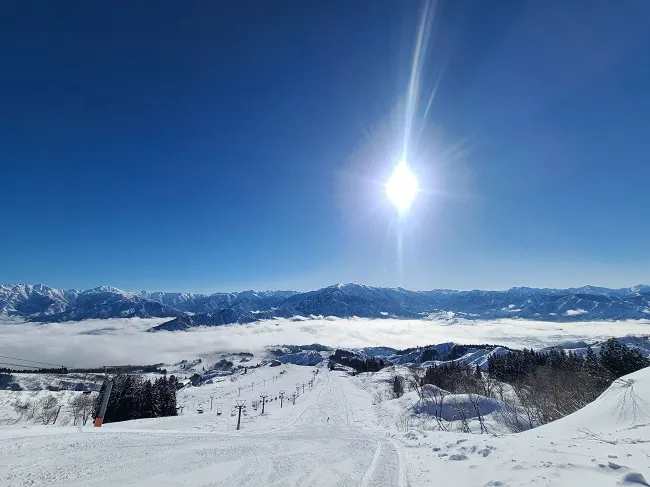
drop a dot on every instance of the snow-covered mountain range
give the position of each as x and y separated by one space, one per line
428 355
43 303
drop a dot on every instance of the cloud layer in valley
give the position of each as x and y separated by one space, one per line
122 341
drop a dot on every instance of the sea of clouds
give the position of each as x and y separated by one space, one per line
125 341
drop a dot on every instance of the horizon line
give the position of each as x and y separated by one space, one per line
340 284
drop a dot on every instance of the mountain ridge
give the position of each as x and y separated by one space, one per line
187 310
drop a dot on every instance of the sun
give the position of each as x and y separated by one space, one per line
402 187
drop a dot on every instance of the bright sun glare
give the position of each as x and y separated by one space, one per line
402 187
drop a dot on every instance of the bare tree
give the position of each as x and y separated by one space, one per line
33 410
48 409
593 436
524 395
82 407
630 404
491 387
462 413
404 421
377 397
434 396
22 408
415 380
26 410
397 386
548 395
510 416
476 400
76 410
498 388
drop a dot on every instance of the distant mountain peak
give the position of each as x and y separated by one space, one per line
350 285
107 289
43 303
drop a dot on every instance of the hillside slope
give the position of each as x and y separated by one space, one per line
330 437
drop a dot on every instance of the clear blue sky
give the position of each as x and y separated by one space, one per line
203 146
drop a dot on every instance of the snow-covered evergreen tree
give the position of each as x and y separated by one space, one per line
132 398
620 359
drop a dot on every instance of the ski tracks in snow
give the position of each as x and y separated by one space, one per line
386 467
365 481
323 446
402 479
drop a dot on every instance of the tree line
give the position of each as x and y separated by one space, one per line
86 370
46 409
8 382
549 385
614 360
356 362
534 387
58 370
122 369
134 398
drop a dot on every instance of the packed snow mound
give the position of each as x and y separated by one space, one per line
436 402
625 405
454 407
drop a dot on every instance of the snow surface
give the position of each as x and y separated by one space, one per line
335 435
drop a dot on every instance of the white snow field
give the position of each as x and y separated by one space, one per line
334 435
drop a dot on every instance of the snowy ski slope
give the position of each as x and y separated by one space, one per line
332 436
